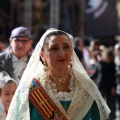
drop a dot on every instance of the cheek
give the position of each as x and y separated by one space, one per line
69 55
50 59
28 46
3 97
12 43
14 46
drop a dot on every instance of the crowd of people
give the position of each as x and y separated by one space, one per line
60 79
104 70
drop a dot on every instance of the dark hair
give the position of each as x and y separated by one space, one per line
77 40
108 55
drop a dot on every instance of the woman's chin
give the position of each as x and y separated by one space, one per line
62 66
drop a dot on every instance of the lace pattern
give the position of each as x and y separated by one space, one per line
92 89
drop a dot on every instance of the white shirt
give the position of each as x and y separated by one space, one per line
19 66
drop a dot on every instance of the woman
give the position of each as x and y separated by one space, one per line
61 88
7 89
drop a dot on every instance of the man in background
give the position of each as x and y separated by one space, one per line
14 59
82 52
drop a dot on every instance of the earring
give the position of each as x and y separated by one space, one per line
70 65
45 67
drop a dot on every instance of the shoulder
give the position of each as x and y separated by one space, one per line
6 54
2 55
41 78
37 81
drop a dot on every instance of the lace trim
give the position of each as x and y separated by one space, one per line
81 103
64 96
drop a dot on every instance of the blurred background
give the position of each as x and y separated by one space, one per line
87 18
94 24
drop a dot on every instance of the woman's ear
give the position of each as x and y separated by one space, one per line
42 56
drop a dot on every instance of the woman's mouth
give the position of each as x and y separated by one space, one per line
62 60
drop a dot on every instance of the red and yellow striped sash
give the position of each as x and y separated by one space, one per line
44 104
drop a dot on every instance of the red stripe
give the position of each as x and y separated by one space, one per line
44 102
50 102
38 107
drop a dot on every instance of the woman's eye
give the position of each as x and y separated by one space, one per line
54 49
66 47
6 94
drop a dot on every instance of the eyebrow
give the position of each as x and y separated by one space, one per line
6 91
63 44
25 39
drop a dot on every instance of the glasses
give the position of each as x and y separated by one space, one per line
24 42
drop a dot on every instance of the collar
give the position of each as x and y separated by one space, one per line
15 59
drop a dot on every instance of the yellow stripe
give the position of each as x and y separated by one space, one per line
40 105
45 100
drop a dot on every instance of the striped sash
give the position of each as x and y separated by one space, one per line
43 103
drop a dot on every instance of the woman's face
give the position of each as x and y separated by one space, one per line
7 93
57 52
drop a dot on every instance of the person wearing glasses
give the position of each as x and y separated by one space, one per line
14 59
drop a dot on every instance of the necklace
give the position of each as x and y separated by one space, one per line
59 82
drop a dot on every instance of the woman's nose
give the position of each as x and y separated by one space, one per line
62 53
10 97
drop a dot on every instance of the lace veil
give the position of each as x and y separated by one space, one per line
19 108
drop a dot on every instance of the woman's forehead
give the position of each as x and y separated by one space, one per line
59 39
